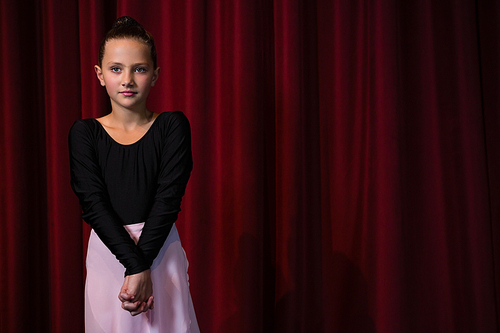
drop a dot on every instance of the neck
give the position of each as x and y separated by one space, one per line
136 116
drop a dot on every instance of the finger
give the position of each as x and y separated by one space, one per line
129 306
151 302
139 310
124 296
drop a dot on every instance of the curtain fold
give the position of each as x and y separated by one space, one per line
346 171
489 50
24 271
61 104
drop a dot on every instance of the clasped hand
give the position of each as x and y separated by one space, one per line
136 293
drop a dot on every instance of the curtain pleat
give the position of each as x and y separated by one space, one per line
61 103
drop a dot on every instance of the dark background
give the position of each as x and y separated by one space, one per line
347 169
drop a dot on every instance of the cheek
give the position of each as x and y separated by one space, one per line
111 80
146 81
110 83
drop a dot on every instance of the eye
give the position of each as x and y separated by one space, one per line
115 69
141 70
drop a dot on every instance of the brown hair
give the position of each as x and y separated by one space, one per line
127 27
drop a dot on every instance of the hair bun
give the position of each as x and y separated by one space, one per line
125 21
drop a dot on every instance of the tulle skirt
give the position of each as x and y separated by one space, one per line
173 308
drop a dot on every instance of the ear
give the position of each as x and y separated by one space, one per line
155 76
98 72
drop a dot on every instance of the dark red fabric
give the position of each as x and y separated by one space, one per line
346 164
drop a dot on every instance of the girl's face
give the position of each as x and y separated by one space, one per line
127 73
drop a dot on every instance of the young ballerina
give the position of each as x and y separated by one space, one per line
129 170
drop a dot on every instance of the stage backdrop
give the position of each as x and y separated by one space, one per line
346 163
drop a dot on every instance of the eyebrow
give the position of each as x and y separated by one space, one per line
133 65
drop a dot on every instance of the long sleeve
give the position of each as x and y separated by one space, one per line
88 184
175 169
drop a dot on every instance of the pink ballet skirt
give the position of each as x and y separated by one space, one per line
173 308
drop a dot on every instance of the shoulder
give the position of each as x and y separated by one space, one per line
173 120
83 128
83 124
172 116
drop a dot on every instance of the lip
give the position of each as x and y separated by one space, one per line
128 93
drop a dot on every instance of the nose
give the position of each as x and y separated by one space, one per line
127 79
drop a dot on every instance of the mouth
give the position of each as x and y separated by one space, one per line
128 93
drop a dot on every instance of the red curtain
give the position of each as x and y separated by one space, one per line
346 168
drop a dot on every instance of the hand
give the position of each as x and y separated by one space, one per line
136 308
136 293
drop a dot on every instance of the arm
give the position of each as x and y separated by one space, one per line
89 186
175 169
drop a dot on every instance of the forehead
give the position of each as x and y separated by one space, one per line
125 50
